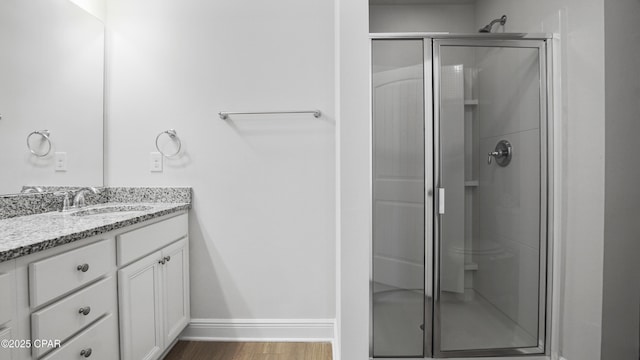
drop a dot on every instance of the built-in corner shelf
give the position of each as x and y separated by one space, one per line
471 102
472 183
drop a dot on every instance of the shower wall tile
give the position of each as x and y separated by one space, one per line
510 195
508 279
508 247
398 184
398 259
396 239
509 90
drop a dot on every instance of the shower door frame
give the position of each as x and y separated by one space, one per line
545 140
431 48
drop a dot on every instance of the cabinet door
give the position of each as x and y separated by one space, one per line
140 309
176 289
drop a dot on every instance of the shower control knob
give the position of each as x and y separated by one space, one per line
502 153
492 155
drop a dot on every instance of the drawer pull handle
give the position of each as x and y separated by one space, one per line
168 258
85 352
83 267
162 261
84 310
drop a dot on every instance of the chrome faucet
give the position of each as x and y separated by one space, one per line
65 200
78 198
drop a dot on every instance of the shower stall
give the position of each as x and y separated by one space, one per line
460 262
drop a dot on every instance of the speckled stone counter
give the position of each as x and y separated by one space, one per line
27 234
29 204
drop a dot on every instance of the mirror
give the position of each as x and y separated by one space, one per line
51 78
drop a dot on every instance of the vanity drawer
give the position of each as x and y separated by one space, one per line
100 341
63 318
141 242
57 275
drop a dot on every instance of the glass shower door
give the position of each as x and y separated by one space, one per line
490 101
398 181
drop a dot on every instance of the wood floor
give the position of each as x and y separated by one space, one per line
198 350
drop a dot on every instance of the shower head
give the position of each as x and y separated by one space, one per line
487 29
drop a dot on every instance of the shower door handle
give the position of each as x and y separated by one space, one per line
440 201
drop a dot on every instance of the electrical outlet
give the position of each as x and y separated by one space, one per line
61 161
156 162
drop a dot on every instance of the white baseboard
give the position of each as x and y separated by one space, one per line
307 330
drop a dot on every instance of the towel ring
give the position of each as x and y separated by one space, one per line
45 135
174 136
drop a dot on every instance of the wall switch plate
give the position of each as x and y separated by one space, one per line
61 161
156 162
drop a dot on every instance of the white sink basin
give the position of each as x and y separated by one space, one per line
115 209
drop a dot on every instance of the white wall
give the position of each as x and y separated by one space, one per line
354 208
52 78
455 18
262 227
621 317
97 8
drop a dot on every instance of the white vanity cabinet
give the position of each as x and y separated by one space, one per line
119 295
7 307
153 290
175 290
140 309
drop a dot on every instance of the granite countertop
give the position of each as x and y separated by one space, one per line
28 234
